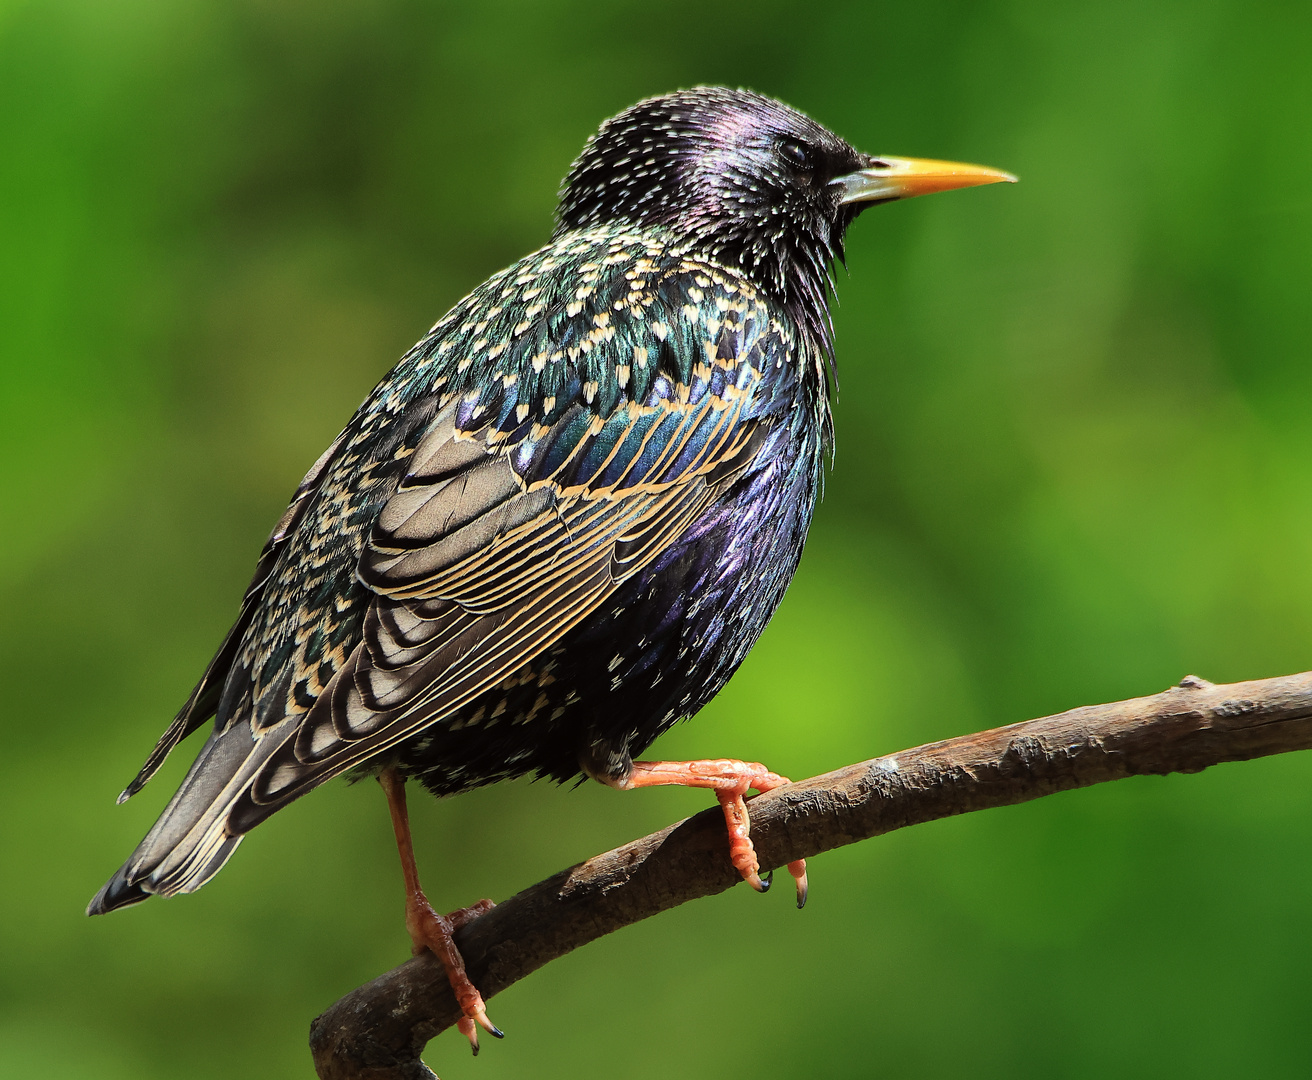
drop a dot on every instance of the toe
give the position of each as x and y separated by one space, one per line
798 870
469 1030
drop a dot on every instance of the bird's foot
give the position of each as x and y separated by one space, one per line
730 779
434 932
429 930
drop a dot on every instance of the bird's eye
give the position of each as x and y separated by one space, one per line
796 154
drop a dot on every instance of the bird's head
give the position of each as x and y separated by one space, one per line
750 180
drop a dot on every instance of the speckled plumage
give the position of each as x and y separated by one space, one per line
557 526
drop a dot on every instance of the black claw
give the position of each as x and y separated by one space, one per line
496 1032
473 1047
801 897
766 882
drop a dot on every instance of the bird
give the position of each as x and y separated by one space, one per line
558 525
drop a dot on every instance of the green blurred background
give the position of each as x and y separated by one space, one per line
1074 464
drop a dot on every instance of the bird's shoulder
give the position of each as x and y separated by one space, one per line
597 316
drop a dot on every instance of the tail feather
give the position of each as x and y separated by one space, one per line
177 731
193 838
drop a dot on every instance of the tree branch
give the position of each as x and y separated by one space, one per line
379 1030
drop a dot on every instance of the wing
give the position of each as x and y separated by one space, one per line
494 547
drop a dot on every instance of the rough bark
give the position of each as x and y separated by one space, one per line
379 1030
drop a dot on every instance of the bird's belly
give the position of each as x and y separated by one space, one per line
661 646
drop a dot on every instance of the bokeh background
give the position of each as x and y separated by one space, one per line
1074 464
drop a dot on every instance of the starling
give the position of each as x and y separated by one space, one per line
558 525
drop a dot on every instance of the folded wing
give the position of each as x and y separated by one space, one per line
490 551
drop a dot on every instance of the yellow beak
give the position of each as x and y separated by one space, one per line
901 178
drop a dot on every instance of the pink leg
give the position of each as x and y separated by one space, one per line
428 929
730 779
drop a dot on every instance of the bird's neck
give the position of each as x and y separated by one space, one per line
791 270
